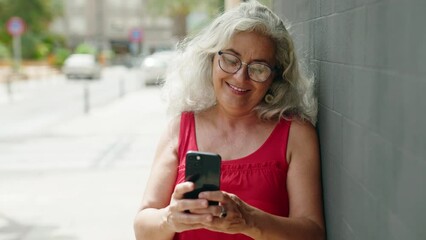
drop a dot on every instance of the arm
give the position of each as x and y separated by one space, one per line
305 219
148 223
161 212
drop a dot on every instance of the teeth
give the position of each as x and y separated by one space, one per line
237 89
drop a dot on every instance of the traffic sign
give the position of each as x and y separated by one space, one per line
15 26
136 35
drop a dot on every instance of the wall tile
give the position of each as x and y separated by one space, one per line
348 37
322 42
410 192
330 131
358 207
326 7
354 152
387 30
382 161
412 130
326 79
344 5
356 95
297 11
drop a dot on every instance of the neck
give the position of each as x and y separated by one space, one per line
232 119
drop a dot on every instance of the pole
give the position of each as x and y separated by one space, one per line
86 97
16 66
121 87
16 54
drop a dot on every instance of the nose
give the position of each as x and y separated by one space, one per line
242 73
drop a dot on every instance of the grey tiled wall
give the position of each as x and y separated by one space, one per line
369 57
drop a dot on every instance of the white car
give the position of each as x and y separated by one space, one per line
154 66
81 66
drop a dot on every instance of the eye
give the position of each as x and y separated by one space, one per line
258 69
230 60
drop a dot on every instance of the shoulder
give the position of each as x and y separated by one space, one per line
170 136
173 127
302 140
302 127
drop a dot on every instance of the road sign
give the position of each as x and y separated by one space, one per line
15 26
136 35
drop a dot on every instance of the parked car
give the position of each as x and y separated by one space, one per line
81 66
154 66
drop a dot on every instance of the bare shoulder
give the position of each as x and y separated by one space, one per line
169 139
302 128
173 127
302 140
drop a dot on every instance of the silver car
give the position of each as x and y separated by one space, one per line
154 66
81 66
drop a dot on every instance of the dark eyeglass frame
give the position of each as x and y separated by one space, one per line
272 69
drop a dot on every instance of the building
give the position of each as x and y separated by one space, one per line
112 25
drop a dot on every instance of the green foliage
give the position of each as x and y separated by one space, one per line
37 14
85 48
59 56
266 2
178 10
41 50
37 43
183 7
4 52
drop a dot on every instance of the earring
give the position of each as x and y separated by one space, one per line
269 98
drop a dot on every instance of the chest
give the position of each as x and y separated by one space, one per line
232 144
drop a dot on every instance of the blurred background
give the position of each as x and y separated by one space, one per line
81 111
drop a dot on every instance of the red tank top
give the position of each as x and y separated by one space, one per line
259 179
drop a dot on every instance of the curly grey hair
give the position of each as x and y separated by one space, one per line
188 85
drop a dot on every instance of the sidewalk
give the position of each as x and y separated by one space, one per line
82 179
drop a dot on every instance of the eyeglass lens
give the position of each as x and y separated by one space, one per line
231 64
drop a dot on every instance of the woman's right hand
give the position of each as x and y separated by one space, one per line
178 216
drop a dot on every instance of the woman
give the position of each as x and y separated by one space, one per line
238 92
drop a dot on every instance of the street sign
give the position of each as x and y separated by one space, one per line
15 26
136 35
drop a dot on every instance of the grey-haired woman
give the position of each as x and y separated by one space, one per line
236 89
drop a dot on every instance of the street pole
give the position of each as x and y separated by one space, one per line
15 27
86 97
121 87
16 54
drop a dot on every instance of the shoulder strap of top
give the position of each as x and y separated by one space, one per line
187 135
277 141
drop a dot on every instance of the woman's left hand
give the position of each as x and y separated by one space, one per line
232 215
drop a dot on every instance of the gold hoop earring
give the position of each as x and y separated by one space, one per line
269 98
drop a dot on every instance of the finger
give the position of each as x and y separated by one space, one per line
191 204
213 210
182 188
193 219
218 196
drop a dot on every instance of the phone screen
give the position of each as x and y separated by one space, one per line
203 169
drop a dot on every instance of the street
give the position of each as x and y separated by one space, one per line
71 175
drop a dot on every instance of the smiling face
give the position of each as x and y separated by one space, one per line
237 93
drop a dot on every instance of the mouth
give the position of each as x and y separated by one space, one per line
236 89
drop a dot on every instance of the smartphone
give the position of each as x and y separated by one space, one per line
203 169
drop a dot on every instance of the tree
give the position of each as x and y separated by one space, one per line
179 10
37 15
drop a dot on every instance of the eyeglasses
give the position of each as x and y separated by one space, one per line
258 72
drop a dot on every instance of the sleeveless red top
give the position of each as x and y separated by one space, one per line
259 179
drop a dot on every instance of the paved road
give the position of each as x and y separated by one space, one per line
81 178
36 104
